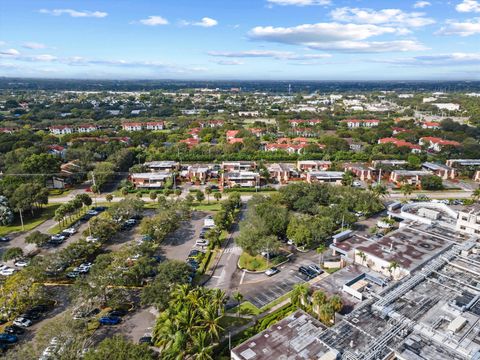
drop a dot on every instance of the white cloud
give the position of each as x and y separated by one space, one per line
44 57
467 28
338 37
206 22
34 45
228 62
154 21
299 2
10 52
453 59
389 17
371 46
74 13
468 6
318 33
280 55
421 4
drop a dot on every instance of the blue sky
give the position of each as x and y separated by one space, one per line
241 39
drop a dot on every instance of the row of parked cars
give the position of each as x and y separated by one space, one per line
12 332
81 269
310 271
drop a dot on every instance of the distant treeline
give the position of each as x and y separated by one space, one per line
265 86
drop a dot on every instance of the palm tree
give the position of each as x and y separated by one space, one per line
326 314
210 320
320 250
379 191
318 299
406 189
202 348
362 256
476 194
238 297
336 303
391 267
299 294
217 195
208 191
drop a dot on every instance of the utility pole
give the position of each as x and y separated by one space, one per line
21 219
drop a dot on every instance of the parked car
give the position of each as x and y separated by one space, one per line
315 268
110 320
117 312
85 314
100 208
21 263
272 271
4 239
14 329
147 339
202 242
73 274
307 272
7 271
70 231
8 338
22 322
3 267
92 212
193 264
193 254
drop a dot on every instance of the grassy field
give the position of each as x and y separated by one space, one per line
30 223
232 321
213 206
252 263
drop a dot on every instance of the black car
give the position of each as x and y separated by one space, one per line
118 312
14 329
193 264
4 239
32 315
146 340
307 272
193 254
100 208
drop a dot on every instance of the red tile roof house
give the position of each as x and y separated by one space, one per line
61 129
235 141
436 144
198 173
194 133
132 126
313 165
56 150
400 177
257 131
298 122
431 125
361 171
231 134
355 123
87 128
399 130
289 148
155 125
212 123
282 173
191 142
399 143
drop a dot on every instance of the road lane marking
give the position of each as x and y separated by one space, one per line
241 279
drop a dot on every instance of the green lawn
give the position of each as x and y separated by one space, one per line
232 321
213 206
252 263
246 308
30 223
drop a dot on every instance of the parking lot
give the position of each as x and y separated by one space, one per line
182 241
259 289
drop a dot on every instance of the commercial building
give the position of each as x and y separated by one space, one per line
334 177
150 180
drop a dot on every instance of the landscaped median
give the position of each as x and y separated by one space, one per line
259 263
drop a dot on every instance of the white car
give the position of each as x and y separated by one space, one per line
92 212
3 267
22 322
202 242
70 230
91 239
7 272
272 271
21 263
